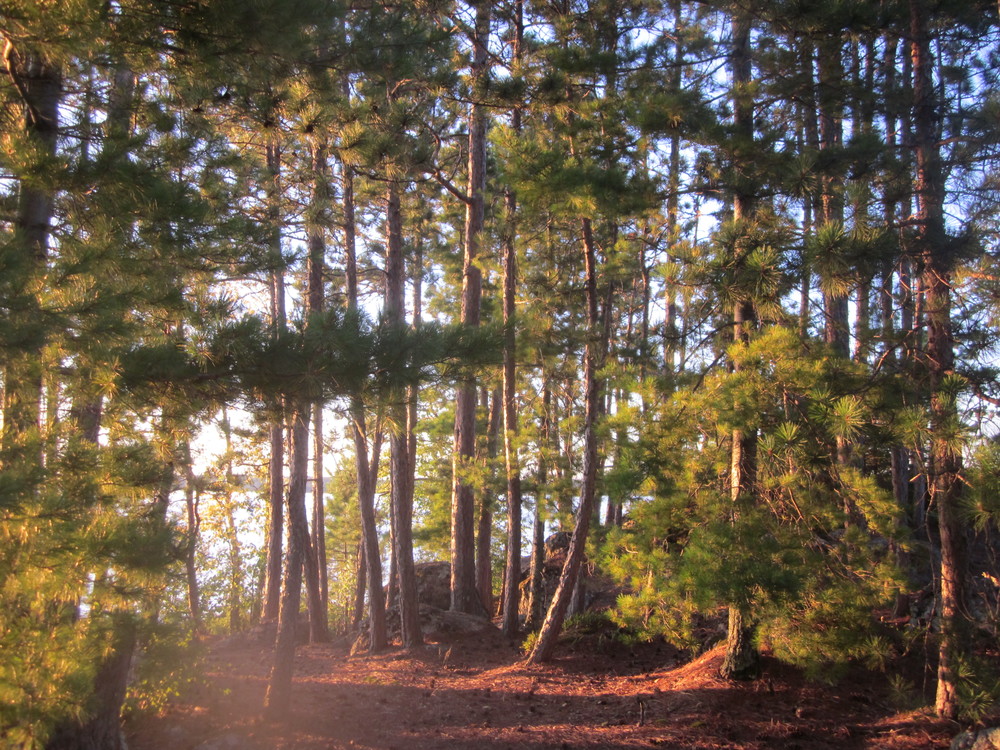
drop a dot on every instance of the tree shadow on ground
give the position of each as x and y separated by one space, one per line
480 695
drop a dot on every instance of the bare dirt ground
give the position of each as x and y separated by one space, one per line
475 692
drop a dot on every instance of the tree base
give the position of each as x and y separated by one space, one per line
742 660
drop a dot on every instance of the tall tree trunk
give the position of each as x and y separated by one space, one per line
512 466
536 590
536 575
399 444
863 122
484 532
276 430
413 391
300 557
298 522
315 303
593 359
365 465
319 509
741 660
98 727
932 251
899 458
103 730
38 83
808 139
367 474
278 696
235 602
464 594
372 557
671 334
361 571
831 75
235 553
191 542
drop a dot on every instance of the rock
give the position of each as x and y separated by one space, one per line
437 621
984 739
265 633
987 739
433 585
262 632
556 549
557 544
439 624
361 643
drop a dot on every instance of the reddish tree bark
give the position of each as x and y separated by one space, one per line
464 594
741 659
930 245
399 445
512 568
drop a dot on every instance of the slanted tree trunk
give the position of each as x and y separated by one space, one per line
365 465
378 639
593 358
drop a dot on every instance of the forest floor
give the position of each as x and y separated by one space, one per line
476 692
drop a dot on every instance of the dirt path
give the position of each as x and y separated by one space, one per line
476 693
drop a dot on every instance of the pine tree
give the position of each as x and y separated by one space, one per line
512 464
366 469
741 655
930 249
464 595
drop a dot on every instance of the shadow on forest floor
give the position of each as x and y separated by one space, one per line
477 693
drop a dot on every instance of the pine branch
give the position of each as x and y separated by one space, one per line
450 186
